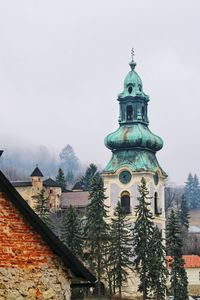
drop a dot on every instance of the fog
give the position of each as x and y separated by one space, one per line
62 65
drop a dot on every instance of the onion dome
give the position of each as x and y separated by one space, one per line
133 84
136 136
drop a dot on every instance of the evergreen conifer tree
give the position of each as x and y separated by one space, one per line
60 179
120 254
189 190
71 231
142 235
196 191
192 191
178 274
42 209
90 172
96 228
69 177
184 214
157 265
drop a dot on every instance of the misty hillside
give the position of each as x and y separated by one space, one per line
17 163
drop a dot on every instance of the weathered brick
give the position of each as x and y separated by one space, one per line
28 267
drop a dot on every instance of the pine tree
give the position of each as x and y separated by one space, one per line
142 235
192 191
189 190
157 265
60 179
184 214
196 192
120 254
69 177
90 172
71 231
178 274
42 208
68 159
96 228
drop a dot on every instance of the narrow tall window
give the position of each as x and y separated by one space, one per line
156 203
143 113
129 113
125 202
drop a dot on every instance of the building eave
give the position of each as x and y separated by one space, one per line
69 259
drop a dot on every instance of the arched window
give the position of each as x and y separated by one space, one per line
129 113
130 89
125 202
157 209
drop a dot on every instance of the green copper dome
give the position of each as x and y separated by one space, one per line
133 136
133 84
133 144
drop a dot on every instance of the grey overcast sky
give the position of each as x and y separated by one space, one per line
62 65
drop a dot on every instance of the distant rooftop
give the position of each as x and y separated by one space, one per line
75 198
191 261
37 173
78 186
21 183
50 183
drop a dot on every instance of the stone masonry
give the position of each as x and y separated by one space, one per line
28 267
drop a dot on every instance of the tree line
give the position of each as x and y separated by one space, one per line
112 246
18 164
190 192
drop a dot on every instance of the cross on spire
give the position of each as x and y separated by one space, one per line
132 53
132 63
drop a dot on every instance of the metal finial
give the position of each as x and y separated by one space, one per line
132 53
132 63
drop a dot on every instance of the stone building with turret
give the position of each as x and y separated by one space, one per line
134 149
30 190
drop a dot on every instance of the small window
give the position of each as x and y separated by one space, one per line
140 87
156 203
143 113
130 89
125 202
129 113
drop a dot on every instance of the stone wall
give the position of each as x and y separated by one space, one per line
44 282
28 267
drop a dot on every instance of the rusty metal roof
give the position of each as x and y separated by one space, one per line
75 198
191 261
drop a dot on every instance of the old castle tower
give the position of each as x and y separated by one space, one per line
134 149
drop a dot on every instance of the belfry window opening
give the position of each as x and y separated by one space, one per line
129 113
130 89
125 202
143 113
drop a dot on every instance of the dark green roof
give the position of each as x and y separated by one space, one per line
50 183
136 159
37 173
133 136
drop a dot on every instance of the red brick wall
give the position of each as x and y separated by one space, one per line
28 267
20 245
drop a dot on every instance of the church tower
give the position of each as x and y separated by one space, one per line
134 149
